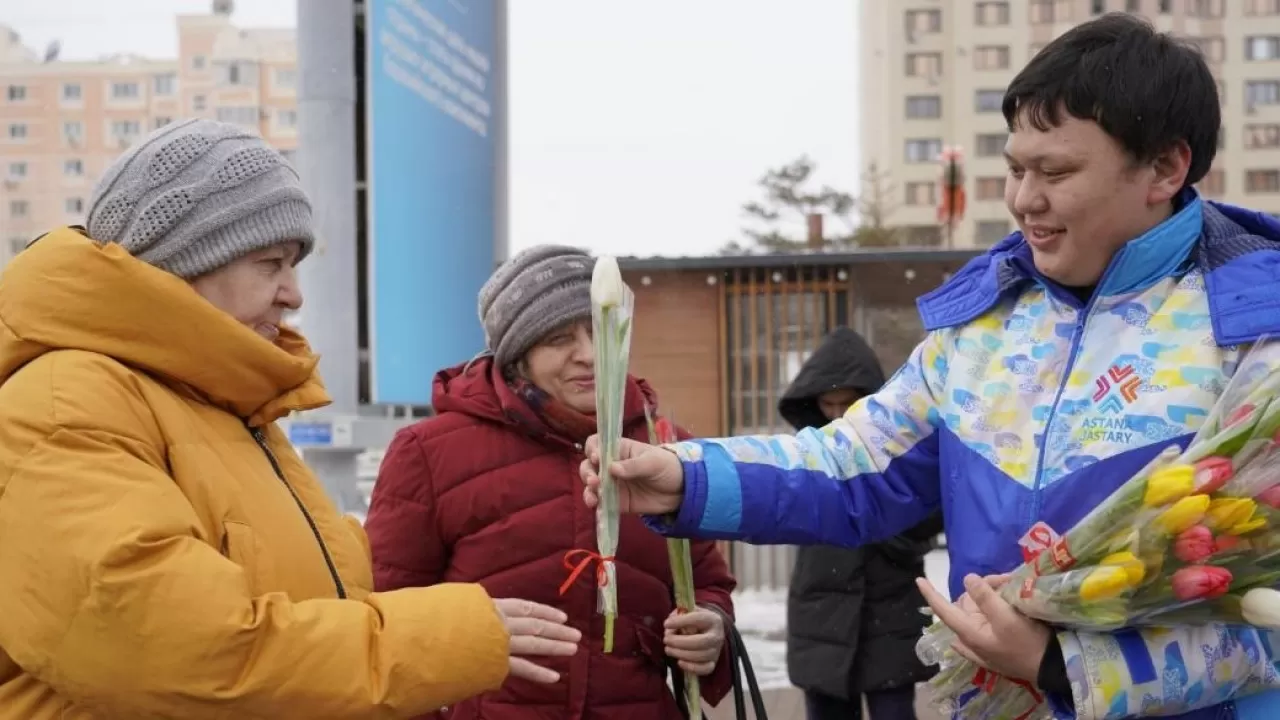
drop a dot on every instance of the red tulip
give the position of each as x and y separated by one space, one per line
1194 545
1197 582
1212 473
665 430
1270 496
1240 414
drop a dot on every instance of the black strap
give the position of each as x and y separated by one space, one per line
740 662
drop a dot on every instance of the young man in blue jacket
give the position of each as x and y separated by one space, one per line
1055 366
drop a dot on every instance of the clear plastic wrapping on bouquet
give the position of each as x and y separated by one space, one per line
612 304
1192 538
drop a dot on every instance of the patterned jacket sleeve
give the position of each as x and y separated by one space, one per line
865 477
1166 671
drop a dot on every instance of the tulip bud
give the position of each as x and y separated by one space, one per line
1194 545
1261 608
1228 512
1183 514
1270 497
1200 582
1168 485
1212 473
606 283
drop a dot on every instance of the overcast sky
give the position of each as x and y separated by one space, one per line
638 127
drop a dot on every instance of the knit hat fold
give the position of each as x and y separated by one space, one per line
196 195
538 290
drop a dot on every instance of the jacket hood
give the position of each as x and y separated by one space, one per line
67 292
843 360
478 389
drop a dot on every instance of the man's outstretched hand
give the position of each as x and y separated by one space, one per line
650 479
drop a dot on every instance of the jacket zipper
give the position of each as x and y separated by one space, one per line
1077 339
260 438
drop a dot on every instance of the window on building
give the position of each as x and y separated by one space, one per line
1262 47
989 188
17 245
988 101
1132 6
1222 90
73 206
125 130
198 62
923 107
1222 138
1034 49
1097 7
1205 8
922 193
71 92
17 93
1259 137
161 121
1261 7
990 232
991 144
1262 181
287 119
1040 11
17 170
17 131
73 167
1213 47
73 132
991 57
1261 92
233 74
286 78
166 84
1214 184
991 14
197 103
244 115
926 65
125 91
1165 6
923 21
18 208
923 150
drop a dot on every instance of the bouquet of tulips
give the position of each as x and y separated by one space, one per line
1193 538
611 307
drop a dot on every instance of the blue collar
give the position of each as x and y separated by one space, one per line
1157 253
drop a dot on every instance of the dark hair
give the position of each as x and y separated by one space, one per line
1148 90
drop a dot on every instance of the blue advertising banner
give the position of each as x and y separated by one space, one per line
434 138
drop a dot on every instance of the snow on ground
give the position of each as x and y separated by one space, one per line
762 621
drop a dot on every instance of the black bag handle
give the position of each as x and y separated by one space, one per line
740 662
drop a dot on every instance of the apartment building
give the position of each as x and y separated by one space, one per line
934 73
62 122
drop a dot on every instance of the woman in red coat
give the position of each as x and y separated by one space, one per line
487 491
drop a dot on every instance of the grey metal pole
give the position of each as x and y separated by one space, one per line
326 161
502 130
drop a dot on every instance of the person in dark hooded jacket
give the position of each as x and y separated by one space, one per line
853 615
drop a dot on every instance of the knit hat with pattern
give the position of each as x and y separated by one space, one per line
193 196
540 289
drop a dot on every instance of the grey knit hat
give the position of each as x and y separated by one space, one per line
193 196
540 289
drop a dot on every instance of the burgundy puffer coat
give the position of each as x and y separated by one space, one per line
487 492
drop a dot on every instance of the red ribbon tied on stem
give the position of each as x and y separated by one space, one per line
985 680
577 561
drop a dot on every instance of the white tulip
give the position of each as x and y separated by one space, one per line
1261 607
606 283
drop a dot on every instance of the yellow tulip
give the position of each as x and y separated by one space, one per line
1226 512
1104 583
1183 514
1247 526
1128 562
1169 484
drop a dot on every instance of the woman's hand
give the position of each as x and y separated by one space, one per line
536 629
695 639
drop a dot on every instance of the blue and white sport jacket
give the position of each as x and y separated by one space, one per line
1025 404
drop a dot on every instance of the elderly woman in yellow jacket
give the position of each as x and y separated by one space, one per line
163 551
